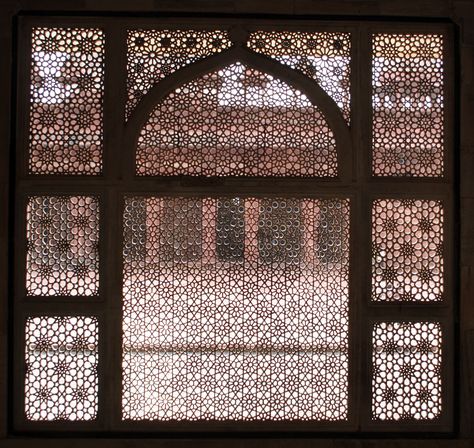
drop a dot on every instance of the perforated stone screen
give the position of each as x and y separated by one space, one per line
406 381
324 57
61 359
407 250
236 122
408 105
66 101
152 55
274 210
62 246
235 309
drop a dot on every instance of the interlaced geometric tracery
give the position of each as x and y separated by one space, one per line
62 246
236 122
406 383
324 57
61 368
407 250
154 54
235 309
67 86
408 105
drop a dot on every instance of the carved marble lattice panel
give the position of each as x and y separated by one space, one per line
407 250
324 57
62 246
235 309
154 54
408 105
406 382
67 87
61 357
236 122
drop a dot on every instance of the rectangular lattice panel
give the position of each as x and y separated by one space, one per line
235 309
324 57
408 105
62 246
407 250
406 381
66 99
61 357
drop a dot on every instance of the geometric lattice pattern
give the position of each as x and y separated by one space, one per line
407 250
61 359
154 54
407 95
406 382
62 246
67 86
236 122
324 57
235 309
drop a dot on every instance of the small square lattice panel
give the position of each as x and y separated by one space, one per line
154 54
406 382
62 246
324 57
236 121
407 250
235 309
67 88
61 359
408 105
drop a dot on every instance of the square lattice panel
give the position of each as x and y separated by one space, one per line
235 309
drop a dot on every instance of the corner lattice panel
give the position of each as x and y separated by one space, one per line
235 309
62 246
67 86
154 54
407 95
406 383
407 250
236 122
61 368
324 57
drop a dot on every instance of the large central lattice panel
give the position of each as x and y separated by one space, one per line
235 309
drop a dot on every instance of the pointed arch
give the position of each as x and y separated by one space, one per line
315 94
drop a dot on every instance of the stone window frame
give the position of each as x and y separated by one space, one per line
356 182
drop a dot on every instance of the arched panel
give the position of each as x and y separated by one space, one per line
254 117
236 121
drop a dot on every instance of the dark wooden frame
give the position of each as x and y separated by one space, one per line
356 182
